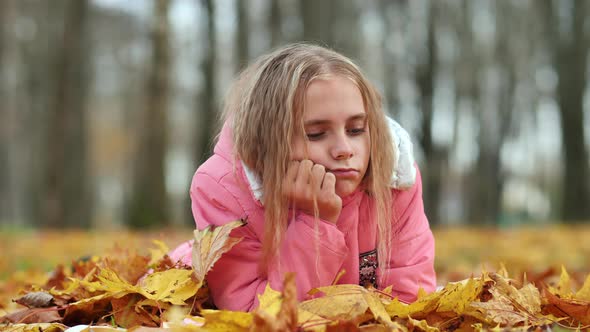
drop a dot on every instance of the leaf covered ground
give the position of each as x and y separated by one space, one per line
490 279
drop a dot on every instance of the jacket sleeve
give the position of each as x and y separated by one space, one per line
411 263
235 280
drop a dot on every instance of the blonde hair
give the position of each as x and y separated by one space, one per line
265 108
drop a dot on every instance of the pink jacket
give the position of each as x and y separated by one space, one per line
221 192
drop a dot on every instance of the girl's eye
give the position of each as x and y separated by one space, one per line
356 131
315 136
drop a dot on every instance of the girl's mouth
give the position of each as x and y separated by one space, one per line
345 172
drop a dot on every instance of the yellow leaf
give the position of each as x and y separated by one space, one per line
378 310
173 286
422 325
157 253
270 301
457 296
45 327
584 292
286 318
110 283
564 288
338 289
210 245
424 304
527 298
226 321
511 306
340 306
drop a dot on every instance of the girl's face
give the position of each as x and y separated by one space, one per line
336 132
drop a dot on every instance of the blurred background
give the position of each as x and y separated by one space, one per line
109 106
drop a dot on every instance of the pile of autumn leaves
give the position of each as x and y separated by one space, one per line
152 292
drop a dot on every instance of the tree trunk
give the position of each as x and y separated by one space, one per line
275 21
571 65
207 118
570 53
148 205
67 194
435 156
242 35
5 188
318 21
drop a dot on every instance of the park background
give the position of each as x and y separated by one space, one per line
108 107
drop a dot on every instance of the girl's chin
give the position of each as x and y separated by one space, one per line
345 191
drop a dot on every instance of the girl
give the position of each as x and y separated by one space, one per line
325 181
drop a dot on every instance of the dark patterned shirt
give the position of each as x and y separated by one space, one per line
368 268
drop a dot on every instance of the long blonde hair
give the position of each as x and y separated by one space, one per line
265 109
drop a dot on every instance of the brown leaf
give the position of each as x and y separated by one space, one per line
126 314
286 319
576 309
210 245
57 278
36 300
129 266
87 313
34 315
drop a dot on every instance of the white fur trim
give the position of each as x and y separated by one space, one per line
254 181
404 172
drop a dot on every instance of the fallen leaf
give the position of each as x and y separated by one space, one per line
127 315
174 286
222 320
36 300
571 308
209 245
34 315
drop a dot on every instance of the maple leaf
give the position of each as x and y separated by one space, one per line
572 308
286 318
156 254
342 306
223 320
127 314
127 265
174 286
209 245
511 306
584 292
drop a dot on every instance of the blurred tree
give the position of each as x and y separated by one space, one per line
568 41
435 155
242 35
387 10
5 194
205 131
67 200
318 21
148 205
275 22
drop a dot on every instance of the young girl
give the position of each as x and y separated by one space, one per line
325 181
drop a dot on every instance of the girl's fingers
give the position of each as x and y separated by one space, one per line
292 171
317 176
329 184
304 173
290 177
301 184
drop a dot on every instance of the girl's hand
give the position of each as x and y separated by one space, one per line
304 181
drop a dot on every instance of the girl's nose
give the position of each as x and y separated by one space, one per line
342 149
